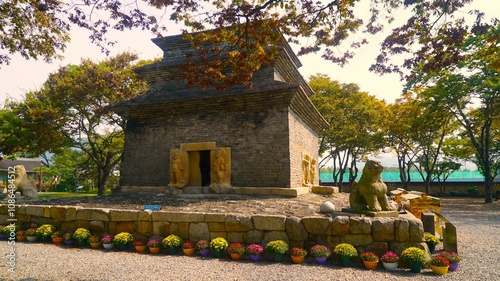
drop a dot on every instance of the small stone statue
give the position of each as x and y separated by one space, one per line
178 172
370 192
23 184
220 182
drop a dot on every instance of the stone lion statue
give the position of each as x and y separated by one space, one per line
370 192
23 184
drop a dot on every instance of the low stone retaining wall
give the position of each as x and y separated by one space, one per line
371 234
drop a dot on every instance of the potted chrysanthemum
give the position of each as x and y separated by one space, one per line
218 245
278 248
45 231
57 237
439 265
31 234
123 240
344 252
320 253
236 250
21 235
254 251
203 246
390 260
172 243
298 255
68 239
415 258
81 236
140 244
188 248
370 260
453 258
94 241
154 244
431 241
107 241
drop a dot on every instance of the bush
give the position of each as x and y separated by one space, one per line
414 255
277 247
345 250
319 251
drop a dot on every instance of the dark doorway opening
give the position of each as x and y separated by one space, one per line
205 167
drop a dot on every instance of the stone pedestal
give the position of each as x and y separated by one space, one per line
391 214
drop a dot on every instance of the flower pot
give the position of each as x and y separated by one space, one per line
439 270
320 260
204 252
188 252
3 236
415 267
279 257
298 259
140 249
453 267
255 258
154 250
31 238
218 253
432 248
370 264
172 250
95 245
57 240
108 246
69 242
123 247
83 244
21 238
345 261
235 257
390 265
46 239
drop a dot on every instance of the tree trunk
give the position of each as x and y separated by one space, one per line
488 188
103 174
102 181
427 185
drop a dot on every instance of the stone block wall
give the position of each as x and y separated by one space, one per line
369 234
258 140
302 140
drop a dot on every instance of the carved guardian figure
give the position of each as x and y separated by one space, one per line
370 192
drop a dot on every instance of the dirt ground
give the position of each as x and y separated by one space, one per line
304 205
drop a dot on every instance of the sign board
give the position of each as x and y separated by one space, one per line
152 207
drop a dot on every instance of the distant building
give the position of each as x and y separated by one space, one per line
29 164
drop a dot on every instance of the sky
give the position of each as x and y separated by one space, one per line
24 75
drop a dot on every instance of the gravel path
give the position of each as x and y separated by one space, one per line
478 227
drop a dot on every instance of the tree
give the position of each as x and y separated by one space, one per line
244 31
470 90
356 121
399 135
71 108
443 171
416 133
63 170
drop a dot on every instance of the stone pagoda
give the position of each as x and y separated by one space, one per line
259 140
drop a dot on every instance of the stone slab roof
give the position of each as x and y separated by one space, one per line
168 91
28 163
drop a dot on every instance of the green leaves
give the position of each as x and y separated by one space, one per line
41 28
33 29
70 111
356 122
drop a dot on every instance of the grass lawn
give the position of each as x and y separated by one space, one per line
50 195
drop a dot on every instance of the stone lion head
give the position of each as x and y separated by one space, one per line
373 168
